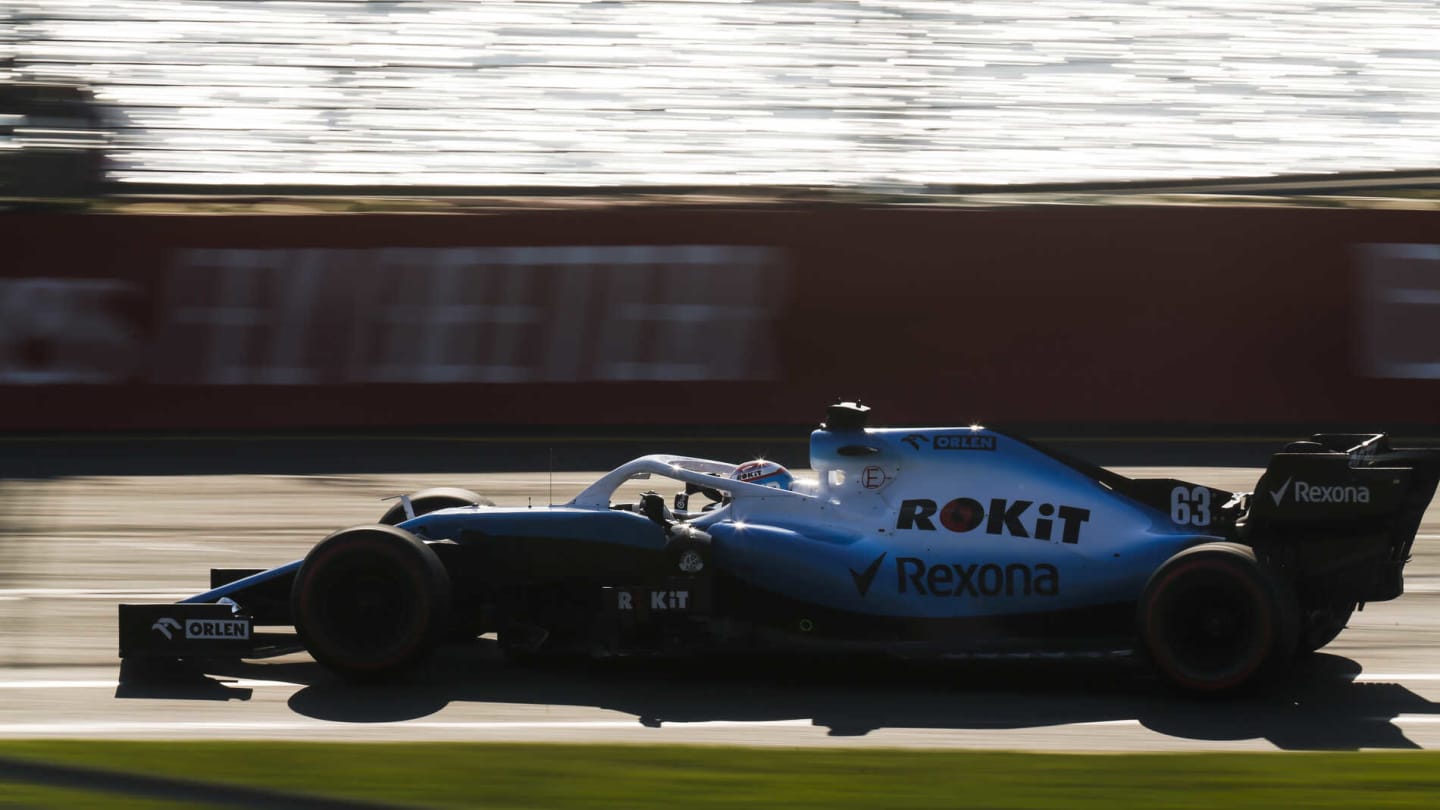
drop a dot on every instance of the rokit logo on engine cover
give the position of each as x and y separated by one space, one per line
1004 517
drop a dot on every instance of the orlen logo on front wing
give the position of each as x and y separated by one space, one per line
1004 517
204 629
216 629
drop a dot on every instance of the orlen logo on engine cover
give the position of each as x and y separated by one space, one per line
952 442
975 579
963 442
216 629
1005 517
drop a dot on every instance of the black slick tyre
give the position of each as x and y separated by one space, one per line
369 602
1321 625
1213 620
428 500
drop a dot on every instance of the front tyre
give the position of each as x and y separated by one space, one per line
368 602
1213 620
428 500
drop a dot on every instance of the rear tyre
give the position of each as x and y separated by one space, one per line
429 500
369 602
1319 626
1213 620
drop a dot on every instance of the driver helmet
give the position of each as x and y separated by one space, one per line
765 473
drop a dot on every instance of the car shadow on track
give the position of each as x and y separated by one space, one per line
1319 707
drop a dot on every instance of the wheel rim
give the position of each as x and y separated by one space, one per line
1214 628
366 610
1210 628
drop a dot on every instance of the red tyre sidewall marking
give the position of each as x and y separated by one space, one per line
1262 599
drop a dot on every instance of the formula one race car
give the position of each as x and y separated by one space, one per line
915 542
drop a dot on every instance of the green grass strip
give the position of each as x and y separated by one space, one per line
563 776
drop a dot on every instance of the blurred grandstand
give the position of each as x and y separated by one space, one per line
889 94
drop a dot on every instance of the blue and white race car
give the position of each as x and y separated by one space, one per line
914 542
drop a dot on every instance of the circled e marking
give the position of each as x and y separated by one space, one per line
873 477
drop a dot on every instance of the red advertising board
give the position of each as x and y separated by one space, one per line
701 315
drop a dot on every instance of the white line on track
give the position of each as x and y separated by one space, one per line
98 684
108 597
256 683
1397 718
144 727
87 728
58 684
91 593
1130 722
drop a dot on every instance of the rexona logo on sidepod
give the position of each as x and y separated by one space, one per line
914 575
975 579
863 579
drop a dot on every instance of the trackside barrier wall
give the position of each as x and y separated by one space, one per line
720 315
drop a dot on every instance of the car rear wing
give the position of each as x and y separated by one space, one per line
1354 488
1340 476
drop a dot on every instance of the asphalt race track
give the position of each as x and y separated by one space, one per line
72 546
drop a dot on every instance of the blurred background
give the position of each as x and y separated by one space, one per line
889 94
264 262
1089 212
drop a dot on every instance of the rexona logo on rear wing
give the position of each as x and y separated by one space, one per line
1004 517
1305 492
